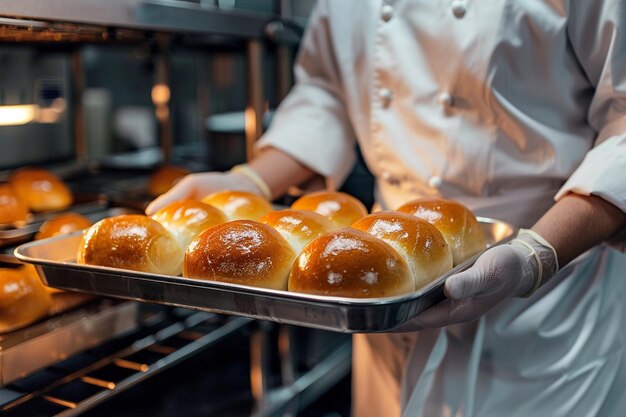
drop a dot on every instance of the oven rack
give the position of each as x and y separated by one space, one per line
80 383
84 381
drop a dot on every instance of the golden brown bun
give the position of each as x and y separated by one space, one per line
164 178
131 242
340 208
30 270
457 224
12 208
185 219
298 227
419 242
40 190
62 225
240 252
23 299
350 263
239 205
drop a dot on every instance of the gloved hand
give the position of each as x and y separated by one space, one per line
513 270
197 186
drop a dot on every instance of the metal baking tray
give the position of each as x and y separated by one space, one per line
55 258
84 203
7 253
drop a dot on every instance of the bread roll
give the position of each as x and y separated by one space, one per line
185 219
164 178
350 263
23 299
240 252
40 190
239 205
131 242
457 224
62 225
419 242
298 227
30 270
340 208
12 209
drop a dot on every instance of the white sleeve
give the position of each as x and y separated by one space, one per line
596 31
598 38
312 124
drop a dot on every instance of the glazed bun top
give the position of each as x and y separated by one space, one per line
165 178
350 263
240 252
185 219
23 299
62 225
133 242
457 224
12 208
340 208
419 242
40 190
239 205
298 227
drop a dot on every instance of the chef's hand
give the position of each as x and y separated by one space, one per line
513 270
197 186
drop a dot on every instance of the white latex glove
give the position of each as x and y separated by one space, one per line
513 270
197 186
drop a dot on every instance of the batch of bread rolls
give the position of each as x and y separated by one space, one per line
324 244
31 190
23 297
28 191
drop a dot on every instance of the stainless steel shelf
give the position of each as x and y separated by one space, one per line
310 386
80 383
184 16
153 15
39 345
95 383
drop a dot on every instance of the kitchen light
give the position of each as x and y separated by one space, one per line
160 94
17 115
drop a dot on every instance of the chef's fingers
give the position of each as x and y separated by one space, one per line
185 188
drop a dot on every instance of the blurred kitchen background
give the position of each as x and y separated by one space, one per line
103 93
115 78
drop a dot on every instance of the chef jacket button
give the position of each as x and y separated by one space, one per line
386 12
435 181
446 99
459 8
386 96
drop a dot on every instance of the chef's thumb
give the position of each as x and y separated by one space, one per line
464 284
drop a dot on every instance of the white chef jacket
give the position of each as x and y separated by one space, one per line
503 105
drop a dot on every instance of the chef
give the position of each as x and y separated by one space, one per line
516 109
